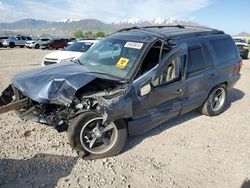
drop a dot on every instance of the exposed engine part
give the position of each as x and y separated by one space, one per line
13 106
6 96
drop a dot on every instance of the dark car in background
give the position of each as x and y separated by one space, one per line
55 44
243 47
127 84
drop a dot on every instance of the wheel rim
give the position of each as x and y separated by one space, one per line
218 99
98 138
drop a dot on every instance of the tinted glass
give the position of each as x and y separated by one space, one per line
79 46
195 60
29 38
224 49
23 38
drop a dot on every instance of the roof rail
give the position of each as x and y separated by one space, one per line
151 26
163 26
201 27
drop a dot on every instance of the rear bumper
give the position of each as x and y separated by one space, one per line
234 80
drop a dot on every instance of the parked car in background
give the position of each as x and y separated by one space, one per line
242 46
1 41
29 43
40 42
16 41
55 44
74 50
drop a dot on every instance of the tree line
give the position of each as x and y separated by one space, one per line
90 34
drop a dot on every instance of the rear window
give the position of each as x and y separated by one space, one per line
196 60
224 49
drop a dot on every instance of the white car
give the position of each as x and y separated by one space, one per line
73 51
29 43
36 43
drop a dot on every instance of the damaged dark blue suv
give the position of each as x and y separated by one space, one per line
127 84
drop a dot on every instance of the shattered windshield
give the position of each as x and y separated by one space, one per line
115 57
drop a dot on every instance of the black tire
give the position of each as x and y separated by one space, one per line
12 45
37 46
76 131
216 102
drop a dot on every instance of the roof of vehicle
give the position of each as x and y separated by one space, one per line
91 41
168 31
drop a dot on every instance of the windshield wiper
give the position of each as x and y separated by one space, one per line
77 61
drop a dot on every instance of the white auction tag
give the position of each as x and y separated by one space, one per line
136 45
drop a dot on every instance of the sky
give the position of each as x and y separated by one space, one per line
228 15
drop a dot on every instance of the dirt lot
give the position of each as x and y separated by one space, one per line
189 151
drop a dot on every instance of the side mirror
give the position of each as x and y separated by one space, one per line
144 90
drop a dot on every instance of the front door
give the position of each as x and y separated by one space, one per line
164 101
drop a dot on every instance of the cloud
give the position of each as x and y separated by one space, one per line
108 11
6 13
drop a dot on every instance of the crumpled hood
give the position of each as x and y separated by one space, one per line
55 84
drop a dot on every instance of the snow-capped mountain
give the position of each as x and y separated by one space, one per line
129 21
168 21
67 20
156 21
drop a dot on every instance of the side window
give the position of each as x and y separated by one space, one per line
152 58
18 38
23 38
171 72
196 60
224 49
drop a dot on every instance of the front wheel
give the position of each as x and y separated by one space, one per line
92 139
37 46
216 101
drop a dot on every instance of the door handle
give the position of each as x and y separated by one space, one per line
211 76
178 91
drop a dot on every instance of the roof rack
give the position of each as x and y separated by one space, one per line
151 26
166 26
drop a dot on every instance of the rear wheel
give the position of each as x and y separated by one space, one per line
216 101
91 138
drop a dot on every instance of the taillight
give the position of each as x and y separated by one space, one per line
239 65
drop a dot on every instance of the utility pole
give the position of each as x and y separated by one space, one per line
4 29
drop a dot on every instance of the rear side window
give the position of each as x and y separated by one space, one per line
196 60
224 49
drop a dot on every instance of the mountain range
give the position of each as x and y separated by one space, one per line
66 27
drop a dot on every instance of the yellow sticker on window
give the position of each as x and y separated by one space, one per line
122 62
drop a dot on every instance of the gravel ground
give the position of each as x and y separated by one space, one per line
189 151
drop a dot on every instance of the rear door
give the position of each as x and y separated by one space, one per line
200 76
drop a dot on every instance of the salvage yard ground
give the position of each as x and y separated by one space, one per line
190 151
